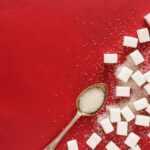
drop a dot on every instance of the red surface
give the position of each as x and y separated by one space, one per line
50 51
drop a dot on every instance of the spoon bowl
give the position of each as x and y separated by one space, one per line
100 87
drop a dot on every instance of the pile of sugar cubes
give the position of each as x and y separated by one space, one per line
123 115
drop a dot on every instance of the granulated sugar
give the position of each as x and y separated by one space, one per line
91 100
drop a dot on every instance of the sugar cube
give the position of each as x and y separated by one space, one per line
137 147
140 104
106 125
147 76
138 78
130 41
123 91
148 134
124 74
93 140
115 115
127 113
136 57
110 58
72 145
132 140
143 35
142 120
147 88
147 18
122 128
112 146
148 109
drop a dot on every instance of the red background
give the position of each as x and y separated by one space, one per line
50 51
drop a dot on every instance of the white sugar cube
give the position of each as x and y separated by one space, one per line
136 57
147 18
137 147
122 128
112 146
123 91
138 78
115 115
147 76
143 35
110 58
132 140
93 141
148 109
127 113
124 74
140 104
72 145
142 120
130 41
147 88
148 134
106 125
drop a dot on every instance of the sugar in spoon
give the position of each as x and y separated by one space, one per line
88 103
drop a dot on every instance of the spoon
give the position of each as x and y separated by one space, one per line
101 88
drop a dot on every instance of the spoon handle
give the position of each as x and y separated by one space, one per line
54 143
